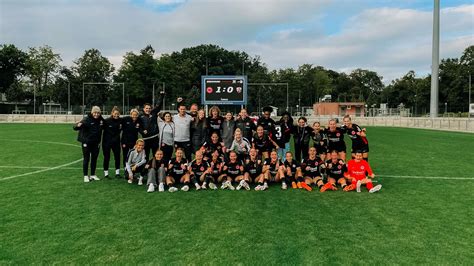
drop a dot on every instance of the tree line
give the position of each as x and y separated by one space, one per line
39 72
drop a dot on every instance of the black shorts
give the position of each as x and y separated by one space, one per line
335 178
340 147
176 177
233 176
321 149
253 176
360 148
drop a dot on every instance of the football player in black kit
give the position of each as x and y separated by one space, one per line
215 121
283 130
178 172
312 169
335 137
292 170
199 171
149 129
253 168
130 128
233 170
320 140
111 141
302 134
335 170
266 122
263 143
358 137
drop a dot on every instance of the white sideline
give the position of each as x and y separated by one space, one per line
41 141
43 169
428 177
40 171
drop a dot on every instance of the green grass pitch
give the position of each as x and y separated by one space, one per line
51 216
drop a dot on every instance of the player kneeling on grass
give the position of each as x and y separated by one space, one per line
156 172
356 171
233 171
253 169
312 168
136 162
199 171
273 171
178 172
335 170
292 171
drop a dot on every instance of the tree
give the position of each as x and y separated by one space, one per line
12 65
367 86
140 72
42 66
93 67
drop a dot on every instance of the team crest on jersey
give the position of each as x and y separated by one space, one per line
353 132
330 165
247 123
269 123
362 167
338 134
339 167
219 121
202 168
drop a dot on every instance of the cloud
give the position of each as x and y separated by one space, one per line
284 33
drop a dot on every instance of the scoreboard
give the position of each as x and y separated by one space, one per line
220 90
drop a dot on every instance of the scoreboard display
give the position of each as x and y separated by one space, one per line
220 90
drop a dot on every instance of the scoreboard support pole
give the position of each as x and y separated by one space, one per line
206 108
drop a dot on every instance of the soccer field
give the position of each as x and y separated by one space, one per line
423 214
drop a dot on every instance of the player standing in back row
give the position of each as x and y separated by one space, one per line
358 137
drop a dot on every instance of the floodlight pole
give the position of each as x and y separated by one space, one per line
68 97
435 63
469 108
83 100
34 100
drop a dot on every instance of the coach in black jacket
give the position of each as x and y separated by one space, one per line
149 121
90 134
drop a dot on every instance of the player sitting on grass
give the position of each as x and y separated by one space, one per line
273 171
156 172
356 171
312 168
335 170
199 171
233 171
136 162
292 170
253 168
178 172
216 165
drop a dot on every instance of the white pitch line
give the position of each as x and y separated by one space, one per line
40 141
428 177
40 171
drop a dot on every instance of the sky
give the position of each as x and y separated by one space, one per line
389 37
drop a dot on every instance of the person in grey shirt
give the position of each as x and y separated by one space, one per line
227 130
182 135
167 130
